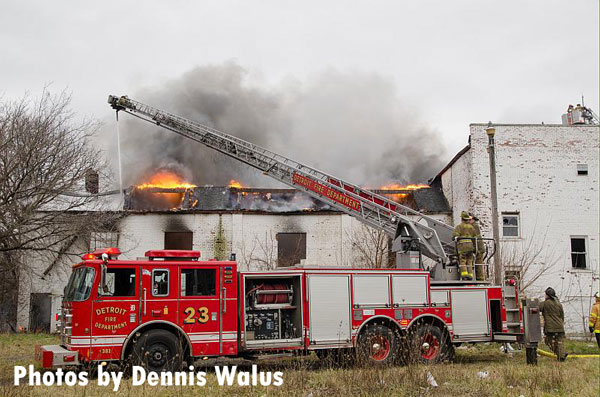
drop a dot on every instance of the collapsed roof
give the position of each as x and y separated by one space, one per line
232 199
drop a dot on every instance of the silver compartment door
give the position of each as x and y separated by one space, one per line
371 290
409 290
470 313
329 309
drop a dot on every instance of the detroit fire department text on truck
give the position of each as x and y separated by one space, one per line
172 308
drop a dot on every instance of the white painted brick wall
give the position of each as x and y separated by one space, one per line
328 243
537 177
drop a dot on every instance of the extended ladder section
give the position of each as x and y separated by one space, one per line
398 221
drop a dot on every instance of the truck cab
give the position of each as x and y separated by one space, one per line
155 312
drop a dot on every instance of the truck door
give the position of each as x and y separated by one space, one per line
159 293
200 306
115 311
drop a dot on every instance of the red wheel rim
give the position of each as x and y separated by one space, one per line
380 347
430 346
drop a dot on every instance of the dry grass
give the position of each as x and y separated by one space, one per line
508 376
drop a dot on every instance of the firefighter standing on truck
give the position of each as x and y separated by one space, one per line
480 252
554 319
464 233
595 318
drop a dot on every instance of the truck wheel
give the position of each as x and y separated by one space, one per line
433 344
158 350
377 344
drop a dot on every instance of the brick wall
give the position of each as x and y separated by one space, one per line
537 179
251 236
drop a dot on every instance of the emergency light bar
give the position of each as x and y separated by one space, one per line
173 254
112 252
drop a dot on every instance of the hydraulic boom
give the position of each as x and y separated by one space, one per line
410 229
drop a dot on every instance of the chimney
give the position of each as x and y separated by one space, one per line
92 181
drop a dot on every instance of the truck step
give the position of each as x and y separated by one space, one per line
264 357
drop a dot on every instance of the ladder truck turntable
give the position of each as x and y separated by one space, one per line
170 307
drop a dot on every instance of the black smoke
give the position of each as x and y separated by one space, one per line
353 125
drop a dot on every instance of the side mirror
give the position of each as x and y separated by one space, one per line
103 288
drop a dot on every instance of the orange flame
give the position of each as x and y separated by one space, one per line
399 196
235 184
395 186
166 180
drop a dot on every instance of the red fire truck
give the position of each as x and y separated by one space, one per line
171 307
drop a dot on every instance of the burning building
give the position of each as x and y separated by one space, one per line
264 228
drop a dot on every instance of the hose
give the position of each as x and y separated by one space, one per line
552 355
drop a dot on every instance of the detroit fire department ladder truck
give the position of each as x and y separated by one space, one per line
171 308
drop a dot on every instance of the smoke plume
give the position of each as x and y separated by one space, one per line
353 125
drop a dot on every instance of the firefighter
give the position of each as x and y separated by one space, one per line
595 318
479 265
554 319
464 232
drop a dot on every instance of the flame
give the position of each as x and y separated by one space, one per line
395 186
166 180
399 196
235 184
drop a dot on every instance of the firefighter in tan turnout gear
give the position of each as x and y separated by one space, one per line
480 252
464 233
595 319
554 320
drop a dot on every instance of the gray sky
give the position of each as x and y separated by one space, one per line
453 62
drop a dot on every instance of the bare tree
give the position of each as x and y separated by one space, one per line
44 160
370 246
528 259
261 252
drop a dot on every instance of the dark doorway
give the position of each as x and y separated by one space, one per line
40 310
496 315
291 248
179 240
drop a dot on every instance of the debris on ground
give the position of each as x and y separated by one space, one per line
431 380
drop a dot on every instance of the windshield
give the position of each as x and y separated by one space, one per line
80 284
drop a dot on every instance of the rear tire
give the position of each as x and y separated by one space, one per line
377 345
158 350
432 344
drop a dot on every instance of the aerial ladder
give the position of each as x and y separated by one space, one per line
414 234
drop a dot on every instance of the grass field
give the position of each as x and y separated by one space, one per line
307 376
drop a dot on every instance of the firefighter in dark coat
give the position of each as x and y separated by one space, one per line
554 320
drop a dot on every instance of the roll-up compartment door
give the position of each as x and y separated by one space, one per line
329 309
410 290
470 313
371 290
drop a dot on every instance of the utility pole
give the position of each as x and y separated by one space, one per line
491 131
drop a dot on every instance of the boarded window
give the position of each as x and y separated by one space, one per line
291 248
120 282
578 252
179 240
160 282
39 312
198 282
510 225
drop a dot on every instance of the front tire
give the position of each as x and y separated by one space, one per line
158 350
377 345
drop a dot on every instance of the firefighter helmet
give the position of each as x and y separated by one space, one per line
465 215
